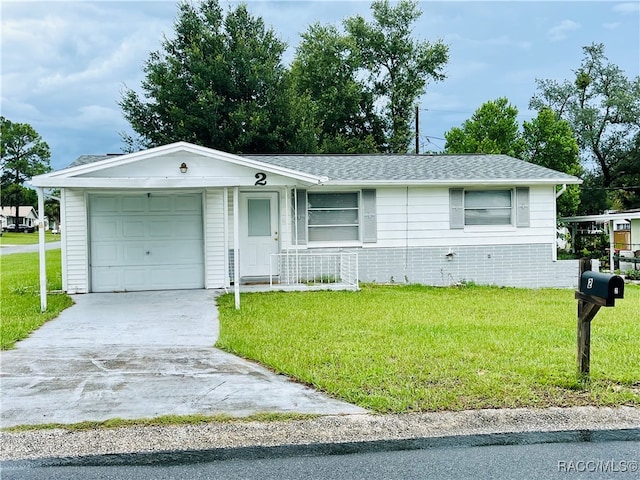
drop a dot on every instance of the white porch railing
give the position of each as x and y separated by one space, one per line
314 270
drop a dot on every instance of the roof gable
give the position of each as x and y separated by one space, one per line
160 168
23 211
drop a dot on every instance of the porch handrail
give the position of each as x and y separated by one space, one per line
314 269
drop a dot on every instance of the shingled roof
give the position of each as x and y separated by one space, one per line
403 169
86 159
416 168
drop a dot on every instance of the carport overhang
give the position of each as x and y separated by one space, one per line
120 172
607 218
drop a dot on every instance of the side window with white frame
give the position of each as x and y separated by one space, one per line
490 207
487 207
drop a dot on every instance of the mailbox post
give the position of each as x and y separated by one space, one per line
596 290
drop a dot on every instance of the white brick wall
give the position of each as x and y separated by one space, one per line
528 266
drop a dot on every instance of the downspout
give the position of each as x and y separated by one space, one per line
41 250
561 191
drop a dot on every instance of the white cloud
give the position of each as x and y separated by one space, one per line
611 25
627 8
562 30
99 115
19 108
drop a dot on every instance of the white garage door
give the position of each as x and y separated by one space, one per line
150 241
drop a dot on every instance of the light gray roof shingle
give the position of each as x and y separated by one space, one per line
414 168
86 159
380 168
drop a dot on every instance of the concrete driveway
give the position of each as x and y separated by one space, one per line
140 355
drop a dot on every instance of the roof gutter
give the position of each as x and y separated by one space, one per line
453 182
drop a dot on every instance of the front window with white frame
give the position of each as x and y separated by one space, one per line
333 217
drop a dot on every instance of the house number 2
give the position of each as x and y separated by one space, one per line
261 179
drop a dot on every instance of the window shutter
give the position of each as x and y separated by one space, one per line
456 208
522 207
369 217
299 216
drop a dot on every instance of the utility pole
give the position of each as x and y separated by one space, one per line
417 133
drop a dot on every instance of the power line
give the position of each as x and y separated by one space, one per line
626 187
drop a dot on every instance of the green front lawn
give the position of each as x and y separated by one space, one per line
20 294
414 348
20 238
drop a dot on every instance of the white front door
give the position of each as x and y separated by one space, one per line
258 233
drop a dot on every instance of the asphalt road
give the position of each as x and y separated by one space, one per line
541 461
9 249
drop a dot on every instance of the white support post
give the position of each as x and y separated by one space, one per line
236 248
611 247
41 249
225 229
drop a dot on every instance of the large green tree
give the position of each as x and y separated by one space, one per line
23 154
546 140
219 82
493 128
602 105
397 65
325 69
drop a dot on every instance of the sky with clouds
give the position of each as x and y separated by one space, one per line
64 63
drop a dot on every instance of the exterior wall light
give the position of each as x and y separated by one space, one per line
183 167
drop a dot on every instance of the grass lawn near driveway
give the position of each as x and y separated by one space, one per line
20 238
20 294
415 348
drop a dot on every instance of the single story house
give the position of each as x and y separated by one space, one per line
28 215
182 216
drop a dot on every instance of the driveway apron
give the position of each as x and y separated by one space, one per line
141 355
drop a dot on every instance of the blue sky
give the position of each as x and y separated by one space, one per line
64 63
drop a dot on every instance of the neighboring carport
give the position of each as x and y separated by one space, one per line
632 216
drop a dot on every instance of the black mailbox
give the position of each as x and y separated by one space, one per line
602 285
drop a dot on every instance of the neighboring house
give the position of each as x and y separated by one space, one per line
184 216
28 216
623 229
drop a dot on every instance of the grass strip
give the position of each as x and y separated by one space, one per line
165 420
20 295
